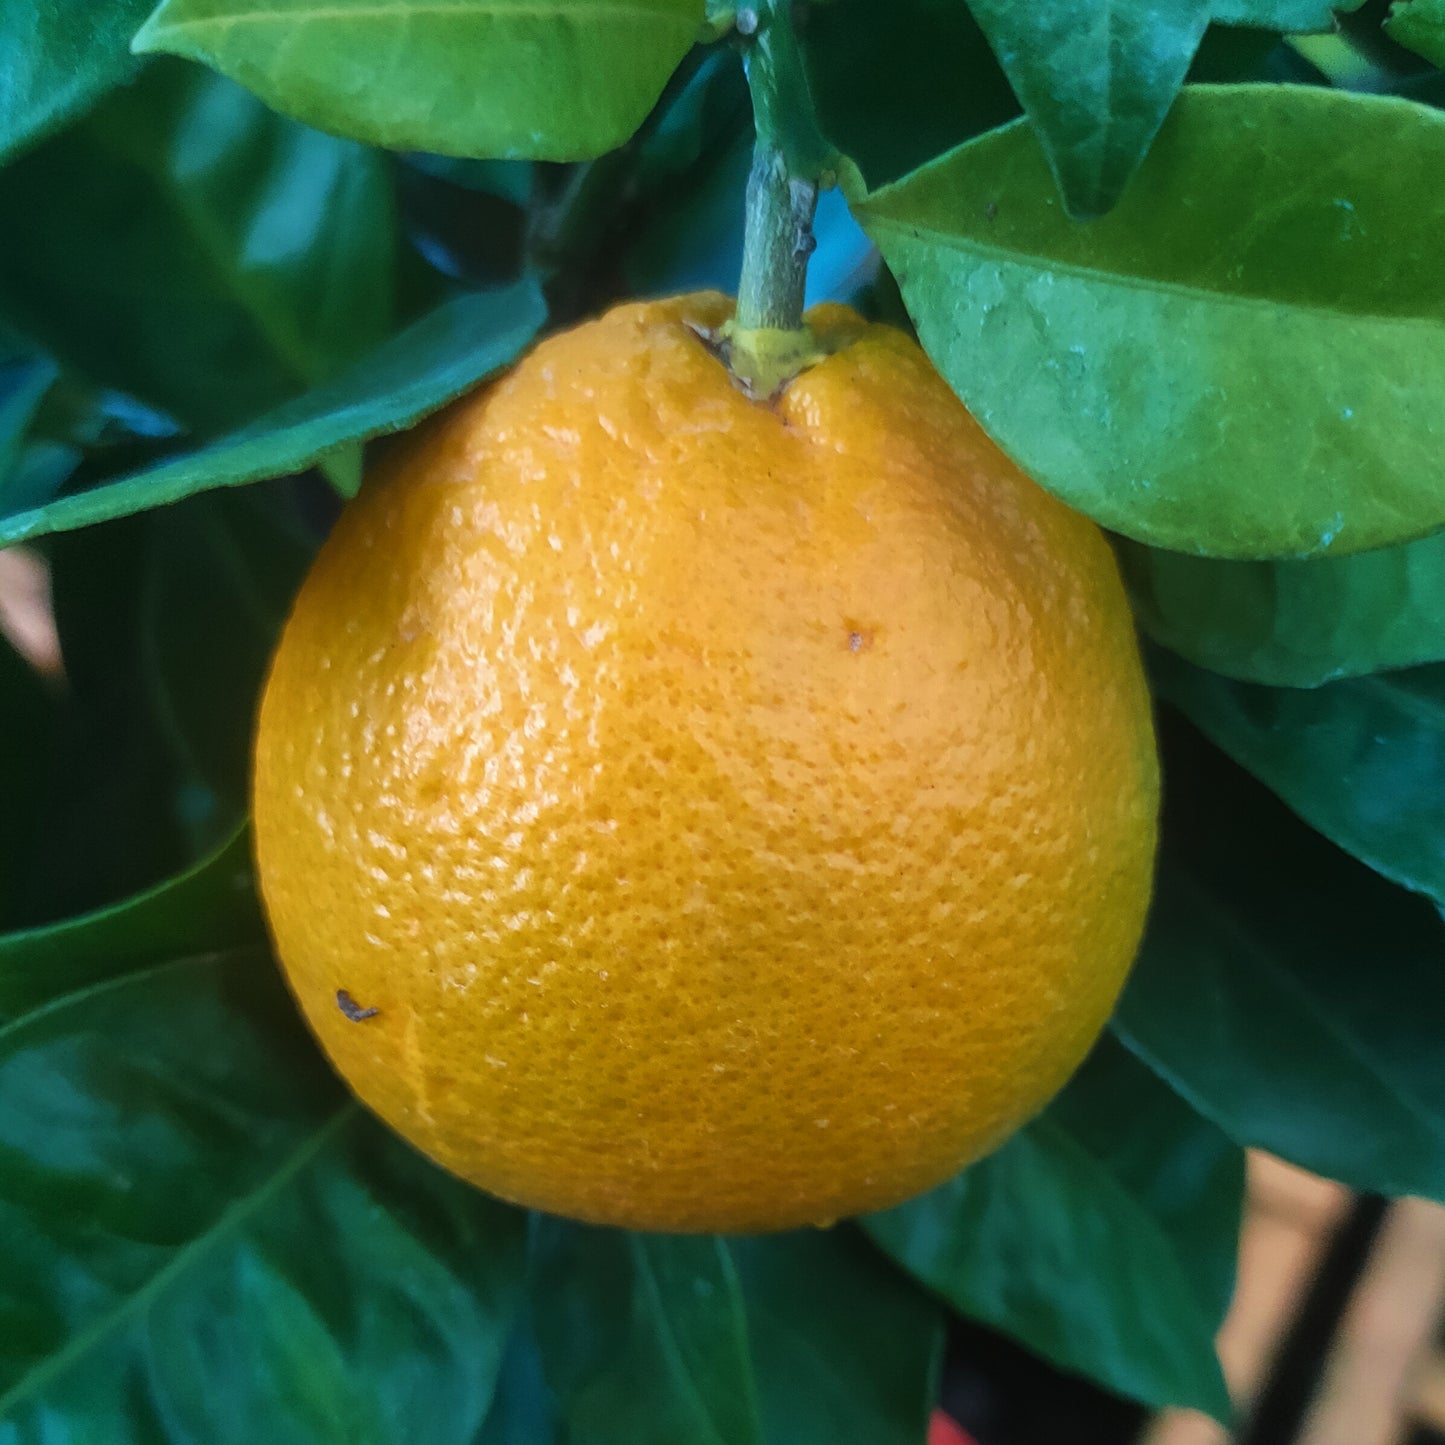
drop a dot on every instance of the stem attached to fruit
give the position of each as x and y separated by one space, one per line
767 342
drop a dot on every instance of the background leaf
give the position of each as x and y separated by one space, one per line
1242 359
1288 992
1097 78
498 78
1361 760
207 1241
857 61
1294 624
782 1340
28 717
1420 26
1118 1172
244 257
415 372
208 907
60 57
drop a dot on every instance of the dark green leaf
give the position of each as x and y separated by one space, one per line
28 713
415 372
224 569
113 819
523 1411
209 906
1242 359
1294 624
1120 1176
894 91
206 1241
495 78
1361 760
1097 78
194 249
788 1340
60 57
1292 995
23 384
1420 26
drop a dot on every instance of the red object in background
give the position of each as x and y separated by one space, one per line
944 1431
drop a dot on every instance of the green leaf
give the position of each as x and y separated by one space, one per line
787 1340
486 78
1363 760
1420 26
23 385
1294 624
415 372
223 571
1291 994
1097 78
60 57
28 717
205 1240
1118 1172
893 91
192 248
208 907
1243 359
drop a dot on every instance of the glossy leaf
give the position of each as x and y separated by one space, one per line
1291 994
787 1340
1294 624
208 907
1119 1173
493 78
60 57
1361 760
1242 359
415 372
205 1240
193 249
1097 78
1419 25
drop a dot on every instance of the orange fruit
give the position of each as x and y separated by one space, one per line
737 815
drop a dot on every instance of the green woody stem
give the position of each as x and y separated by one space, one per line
767 342
776 244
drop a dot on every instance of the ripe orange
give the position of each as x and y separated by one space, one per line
737 815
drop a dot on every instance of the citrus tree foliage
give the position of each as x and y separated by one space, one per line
243 241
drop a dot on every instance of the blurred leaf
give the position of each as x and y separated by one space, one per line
1118 1172
523 1411
1361 760
192 248
209 906
1294 624
495 78
1232 53
1243 359
896 86
786 1340
28 709
224 569
1419 25
507 180
60 57
1289 993
207 1241
1097 78
23 384
415 372
113 821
